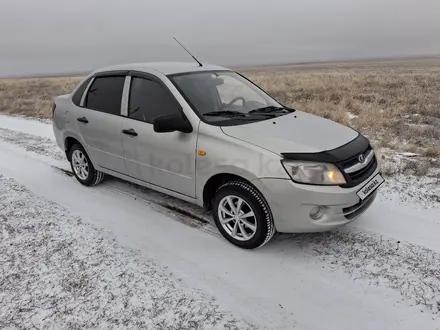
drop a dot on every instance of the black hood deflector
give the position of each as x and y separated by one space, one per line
354 147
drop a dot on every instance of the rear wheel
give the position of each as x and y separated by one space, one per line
242 215
83 168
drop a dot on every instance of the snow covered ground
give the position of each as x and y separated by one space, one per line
121 256
58 271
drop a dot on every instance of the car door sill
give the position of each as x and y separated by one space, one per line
149 185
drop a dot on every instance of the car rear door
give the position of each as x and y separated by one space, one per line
166 160
99 120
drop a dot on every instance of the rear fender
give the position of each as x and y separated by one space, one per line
67 134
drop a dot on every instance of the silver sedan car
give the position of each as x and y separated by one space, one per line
209 136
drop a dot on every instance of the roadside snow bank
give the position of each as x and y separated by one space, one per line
57 272
32 126
40 145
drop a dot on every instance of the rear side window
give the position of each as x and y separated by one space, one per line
105 94
149 100
76 99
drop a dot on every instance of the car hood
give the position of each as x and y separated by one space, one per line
296 132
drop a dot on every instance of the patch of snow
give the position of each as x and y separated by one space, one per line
58 271
409 268
351 115
40 145
422 191
28 126
408 154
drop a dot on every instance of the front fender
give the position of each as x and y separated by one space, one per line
204 177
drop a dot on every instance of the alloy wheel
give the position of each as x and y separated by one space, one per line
80 164
237 218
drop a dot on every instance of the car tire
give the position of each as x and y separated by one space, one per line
82 167
248 223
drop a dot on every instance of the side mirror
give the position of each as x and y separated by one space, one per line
172 123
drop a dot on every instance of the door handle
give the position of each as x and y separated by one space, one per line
83 120
130 132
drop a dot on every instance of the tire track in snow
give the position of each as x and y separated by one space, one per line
184 212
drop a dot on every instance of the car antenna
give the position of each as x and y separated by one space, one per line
200 63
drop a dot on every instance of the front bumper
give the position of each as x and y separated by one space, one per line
291 204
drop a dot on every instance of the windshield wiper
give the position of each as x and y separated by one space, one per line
271 109
225 113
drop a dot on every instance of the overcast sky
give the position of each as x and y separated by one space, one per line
48 36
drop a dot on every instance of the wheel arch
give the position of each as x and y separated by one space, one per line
216 180
69 142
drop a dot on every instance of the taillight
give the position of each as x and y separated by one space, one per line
53 109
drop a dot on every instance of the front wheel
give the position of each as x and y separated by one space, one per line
83 168
242 215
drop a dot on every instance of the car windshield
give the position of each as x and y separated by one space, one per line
225 97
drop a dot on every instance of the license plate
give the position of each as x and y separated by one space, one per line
370 187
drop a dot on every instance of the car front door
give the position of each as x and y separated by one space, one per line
99 121
166 160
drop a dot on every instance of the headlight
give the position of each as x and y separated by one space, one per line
314 173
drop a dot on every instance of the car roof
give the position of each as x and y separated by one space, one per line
166 68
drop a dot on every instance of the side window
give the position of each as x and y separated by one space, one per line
76 99
105 94
149 100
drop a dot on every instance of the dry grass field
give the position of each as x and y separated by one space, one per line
396 104
33 97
